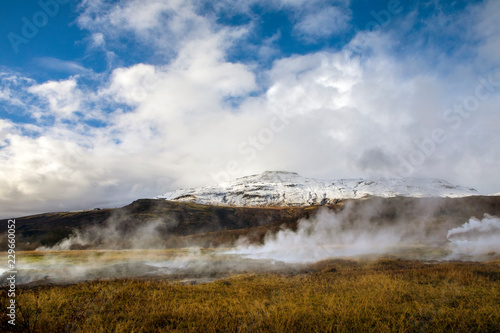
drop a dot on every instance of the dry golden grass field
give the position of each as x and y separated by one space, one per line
341 295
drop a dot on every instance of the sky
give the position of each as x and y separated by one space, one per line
104 102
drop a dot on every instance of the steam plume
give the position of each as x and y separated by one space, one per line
476 237
326 235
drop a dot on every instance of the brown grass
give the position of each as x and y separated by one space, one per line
386 295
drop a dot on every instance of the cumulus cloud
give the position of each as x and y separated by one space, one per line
131 85
163 25
63 97
12 90
97 39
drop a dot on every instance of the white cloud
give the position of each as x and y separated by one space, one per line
324 23
163 25
303 84
201 61
6 128
59 65
97 40
12 89
132 85
64 97
488 32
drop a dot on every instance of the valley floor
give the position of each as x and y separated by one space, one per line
352 295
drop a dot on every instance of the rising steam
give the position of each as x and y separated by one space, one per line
476 237
355 230
353 233
326 235
113 235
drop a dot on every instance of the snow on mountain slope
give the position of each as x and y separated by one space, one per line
280 188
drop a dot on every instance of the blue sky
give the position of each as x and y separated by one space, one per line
103 102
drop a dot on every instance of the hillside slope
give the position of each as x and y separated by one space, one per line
172 221
178 224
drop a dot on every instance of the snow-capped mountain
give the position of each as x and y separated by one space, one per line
280 188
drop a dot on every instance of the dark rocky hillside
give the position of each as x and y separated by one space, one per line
184 224
176 220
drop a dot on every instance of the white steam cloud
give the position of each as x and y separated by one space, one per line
476 237
324 236
353 233
112 235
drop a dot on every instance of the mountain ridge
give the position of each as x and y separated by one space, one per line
289 189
